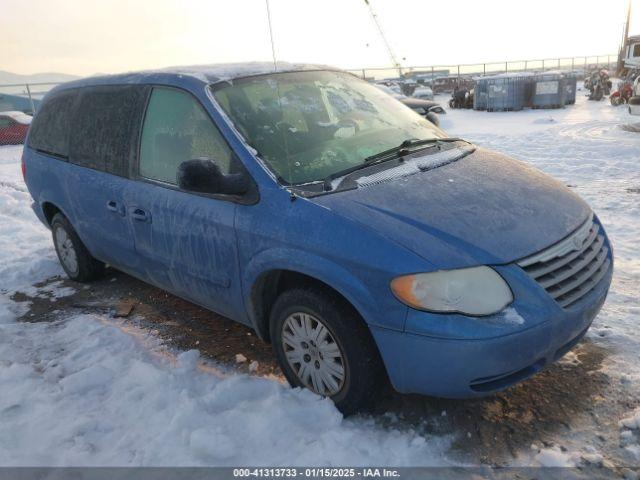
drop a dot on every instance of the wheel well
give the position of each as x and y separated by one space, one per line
271 284
49 210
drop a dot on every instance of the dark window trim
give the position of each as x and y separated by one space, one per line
135 141
250 198
57 156
79 91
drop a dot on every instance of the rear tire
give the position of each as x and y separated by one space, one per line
345 361
74 257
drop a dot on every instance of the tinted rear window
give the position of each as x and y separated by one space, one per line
105 128
50 129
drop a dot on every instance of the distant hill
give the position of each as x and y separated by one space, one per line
11 78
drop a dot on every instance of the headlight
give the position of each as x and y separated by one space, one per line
471 291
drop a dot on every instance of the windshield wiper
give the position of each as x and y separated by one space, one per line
406 147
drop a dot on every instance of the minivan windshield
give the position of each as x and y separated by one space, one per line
309 125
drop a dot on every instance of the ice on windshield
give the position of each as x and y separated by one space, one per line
309 125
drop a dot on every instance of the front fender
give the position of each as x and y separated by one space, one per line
373 309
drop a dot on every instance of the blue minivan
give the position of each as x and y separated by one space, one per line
354 235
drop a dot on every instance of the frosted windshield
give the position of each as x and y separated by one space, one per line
308 125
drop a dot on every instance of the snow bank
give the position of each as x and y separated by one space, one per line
84 391
632 422
630 434
26 255
555 457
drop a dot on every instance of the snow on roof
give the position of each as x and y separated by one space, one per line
228 71
20 117
205 73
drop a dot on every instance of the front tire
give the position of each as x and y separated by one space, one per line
321 343
74 257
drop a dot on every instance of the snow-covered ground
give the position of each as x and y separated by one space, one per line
89 390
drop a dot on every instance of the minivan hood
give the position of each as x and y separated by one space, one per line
485 208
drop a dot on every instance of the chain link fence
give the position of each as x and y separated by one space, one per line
580 65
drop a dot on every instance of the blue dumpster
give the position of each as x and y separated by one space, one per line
480 93
548 90
571 88
506 92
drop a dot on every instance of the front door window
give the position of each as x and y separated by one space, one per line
177 129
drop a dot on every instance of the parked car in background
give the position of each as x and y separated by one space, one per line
388 85
427 108
449 84
399 85
634 102
359 239
424 93
13 127
395 93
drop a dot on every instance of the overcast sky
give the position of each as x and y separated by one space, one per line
88 36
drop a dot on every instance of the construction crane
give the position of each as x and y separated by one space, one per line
394 60
625 37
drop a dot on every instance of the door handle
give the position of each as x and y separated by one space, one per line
140 215
113 206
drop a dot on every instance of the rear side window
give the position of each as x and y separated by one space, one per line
176 129
49 131
105 127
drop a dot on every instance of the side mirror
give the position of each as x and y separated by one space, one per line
202 175
433 118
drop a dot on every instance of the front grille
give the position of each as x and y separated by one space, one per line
572 267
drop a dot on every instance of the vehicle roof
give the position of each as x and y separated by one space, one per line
17 116
414 102
204 74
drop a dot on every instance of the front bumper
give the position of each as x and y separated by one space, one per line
471 367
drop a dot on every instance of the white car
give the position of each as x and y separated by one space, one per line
424 93
395 93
